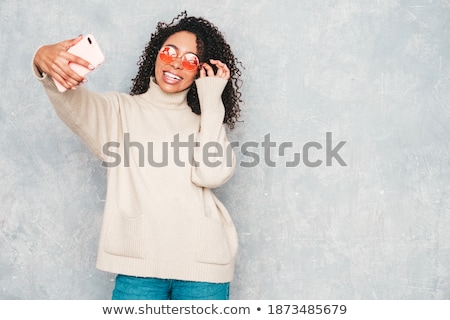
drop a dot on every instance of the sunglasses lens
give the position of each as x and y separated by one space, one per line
190 62
167 54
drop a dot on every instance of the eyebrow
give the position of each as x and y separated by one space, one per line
178 49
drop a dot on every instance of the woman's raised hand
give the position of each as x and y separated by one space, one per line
222 70
54 60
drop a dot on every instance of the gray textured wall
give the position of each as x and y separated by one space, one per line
373 73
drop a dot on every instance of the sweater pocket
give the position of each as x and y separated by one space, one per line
124 236
216 242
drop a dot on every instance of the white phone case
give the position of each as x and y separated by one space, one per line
88 49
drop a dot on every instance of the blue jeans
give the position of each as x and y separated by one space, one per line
136 288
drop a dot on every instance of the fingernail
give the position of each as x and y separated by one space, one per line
91 67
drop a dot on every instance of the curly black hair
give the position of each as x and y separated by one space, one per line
210 45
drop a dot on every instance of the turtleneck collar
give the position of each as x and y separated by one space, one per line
161 99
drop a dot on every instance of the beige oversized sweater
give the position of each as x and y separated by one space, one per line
161 218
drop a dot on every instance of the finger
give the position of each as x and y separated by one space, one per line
74 41
222 69
61 80
78 60
63 69
66 44
62 77
209 70
226 71
202 71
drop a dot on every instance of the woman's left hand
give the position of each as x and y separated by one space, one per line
222 70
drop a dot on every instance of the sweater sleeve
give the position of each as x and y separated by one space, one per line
91 116
214 157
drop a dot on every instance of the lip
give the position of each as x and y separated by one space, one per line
171 77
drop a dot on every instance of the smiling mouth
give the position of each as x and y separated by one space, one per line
171 77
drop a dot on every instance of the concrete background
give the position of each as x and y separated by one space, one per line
375 74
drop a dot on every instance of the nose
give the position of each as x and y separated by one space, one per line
176 63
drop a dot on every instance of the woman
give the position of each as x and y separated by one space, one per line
164 232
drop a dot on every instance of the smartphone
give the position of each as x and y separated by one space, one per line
88 49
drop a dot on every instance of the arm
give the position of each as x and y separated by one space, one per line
91 116
214 155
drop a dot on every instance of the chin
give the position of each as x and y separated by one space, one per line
172 88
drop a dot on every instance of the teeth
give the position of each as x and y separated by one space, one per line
171 75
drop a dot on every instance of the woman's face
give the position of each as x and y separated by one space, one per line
173 77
